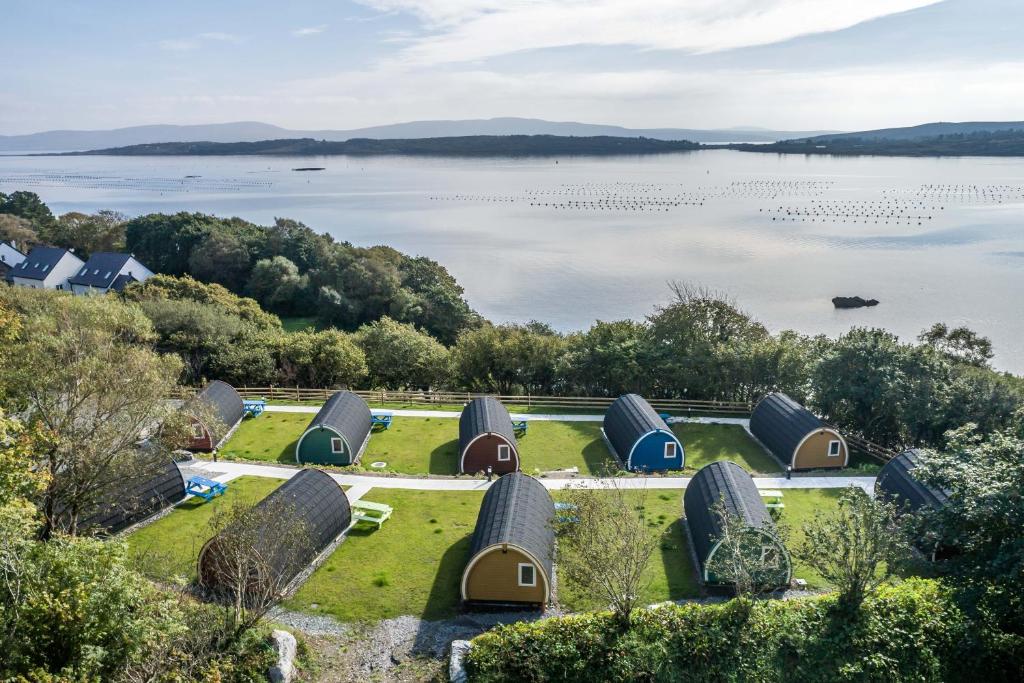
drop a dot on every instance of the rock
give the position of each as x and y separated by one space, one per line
456 671
283 671
852 302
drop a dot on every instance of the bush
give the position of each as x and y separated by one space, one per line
905 632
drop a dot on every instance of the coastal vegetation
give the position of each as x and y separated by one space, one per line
996 143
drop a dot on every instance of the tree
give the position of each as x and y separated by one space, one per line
959 344
88 233
855 548
166 287
18 232
439 306
221 258
606 360
605 545
257 551
277 285
742 559
165 242
327 359
29 206
507 358
87 377
400 356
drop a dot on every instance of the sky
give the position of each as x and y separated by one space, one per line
340 64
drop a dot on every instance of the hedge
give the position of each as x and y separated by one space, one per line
908 632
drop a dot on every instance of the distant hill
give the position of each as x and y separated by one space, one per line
1005 140
254 131
474 145
925 130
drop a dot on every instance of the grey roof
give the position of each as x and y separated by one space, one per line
312 495
780 423
518 510
484 415
727 482
225 403
122 281
348 415
39 263
100 270
627 419
897 482
135 501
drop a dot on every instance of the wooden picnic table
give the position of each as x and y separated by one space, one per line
774 496
375 513
519 425
254 407
204 488
381 420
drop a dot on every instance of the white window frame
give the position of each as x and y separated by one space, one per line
533 575
839 448
198 431
504 452
337 445
671 445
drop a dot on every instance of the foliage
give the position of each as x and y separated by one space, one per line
960 344
277 285
604 545
87 233
328 359
29 206
87 377
742 559
606 360
164 288
507 359
19 232
856 547
399 356
906 632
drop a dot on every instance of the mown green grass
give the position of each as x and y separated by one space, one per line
271 437
412 565
170 546
707 443
801 507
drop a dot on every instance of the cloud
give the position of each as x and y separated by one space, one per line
309 31
469 30
178 45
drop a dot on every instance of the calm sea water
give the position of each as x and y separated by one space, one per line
580 239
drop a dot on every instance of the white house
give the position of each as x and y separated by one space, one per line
106 272
9 257
46 268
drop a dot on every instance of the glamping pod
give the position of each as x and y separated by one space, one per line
218 400
897 483
338 434
729 483
486 438
138 500
639 438
311 495
511 556
796 436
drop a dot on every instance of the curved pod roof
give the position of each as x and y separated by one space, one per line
139 500
897 482
221 399
482 416
783 425
730 484
628 420
312 495
518 512
348 416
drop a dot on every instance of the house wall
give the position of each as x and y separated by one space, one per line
484 451
315 447
495 577
137 270
65 269
649 454
10 255
813 452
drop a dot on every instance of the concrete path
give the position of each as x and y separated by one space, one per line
540 417
364 483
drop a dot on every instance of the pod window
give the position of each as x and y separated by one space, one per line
527 575
834 448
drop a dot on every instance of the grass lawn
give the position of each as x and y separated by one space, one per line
297 324
411 565
421 445
706 443
170 546
801 505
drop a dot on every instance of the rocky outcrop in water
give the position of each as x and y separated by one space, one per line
852 302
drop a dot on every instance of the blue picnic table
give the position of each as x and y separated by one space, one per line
519 426
254 407
204 488
381 419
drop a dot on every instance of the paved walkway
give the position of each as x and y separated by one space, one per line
541 417
226 471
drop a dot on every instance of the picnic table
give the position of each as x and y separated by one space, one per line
204 488
254 407
382 419
564 512
375 513
773 498
519 426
